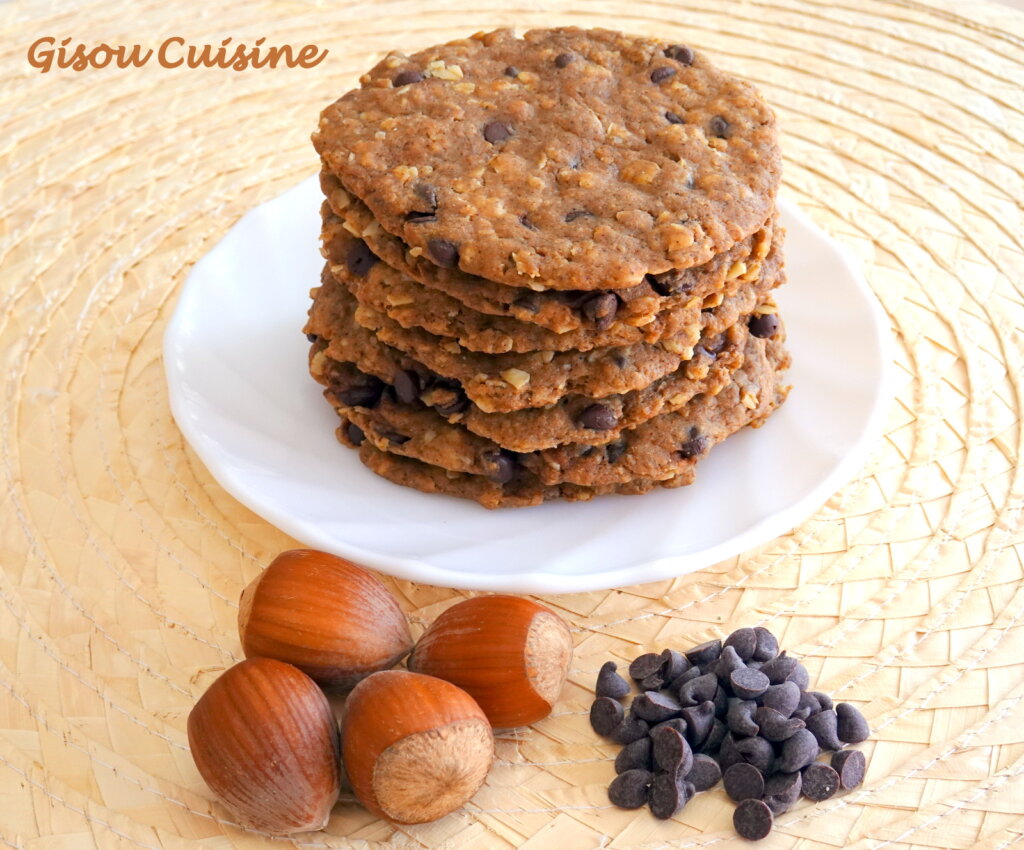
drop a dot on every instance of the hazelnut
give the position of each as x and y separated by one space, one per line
265 740
415 747
510 654
333 620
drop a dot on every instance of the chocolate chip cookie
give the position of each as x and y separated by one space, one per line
659 448
565 159
557 310
381 288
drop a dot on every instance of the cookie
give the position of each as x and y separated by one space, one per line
559 311
571 419
379 287
509 382
565 159
525 491
662 447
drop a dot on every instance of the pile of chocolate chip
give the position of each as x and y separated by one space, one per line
736 710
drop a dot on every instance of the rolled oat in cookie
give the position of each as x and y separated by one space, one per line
605 158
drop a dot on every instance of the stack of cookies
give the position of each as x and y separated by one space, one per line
549 265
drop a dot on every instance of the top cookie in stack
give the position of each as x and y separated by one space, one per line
549 265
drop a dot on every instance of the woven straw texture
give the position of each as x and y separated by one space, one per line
122 559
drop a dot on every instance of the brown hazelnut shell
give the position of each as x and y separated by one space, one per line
509 653
330 618
266 741
415 748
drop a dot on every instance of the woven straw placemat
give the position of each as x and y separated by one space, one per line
122 559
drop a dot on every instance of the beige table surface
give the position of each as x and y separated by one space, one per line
122 559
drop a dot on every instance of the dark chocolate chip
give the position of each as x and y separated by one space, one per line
654 707
614 451
704 653
671 750
819 782
668 794
610 683
644 665
740 717
699 721
601 309
753 819
782 790
659 75
563 59
715 737
743 781
727 753
852 726
693 447
503 466
851 766
606 715
687 675
728 661
764 326
721 701
530 302
705 773
676 723
655 681
404 78
420 216
673 118
698 689
312 337
407 386
672 282
359 259
620 360
784 698
824 700
802 714
674 664
824 726
799 676
511 71
449 399
496 131
680 52
396 438
779 668
744 642
776 726
635 756
809 701
747 683
525 221
631 729
354 433
767 644
798 751
719 127
756 751
572 215
365 391
598 417
445 253
629 789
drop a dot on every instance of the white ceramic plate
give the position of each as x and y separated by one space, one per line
236 373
